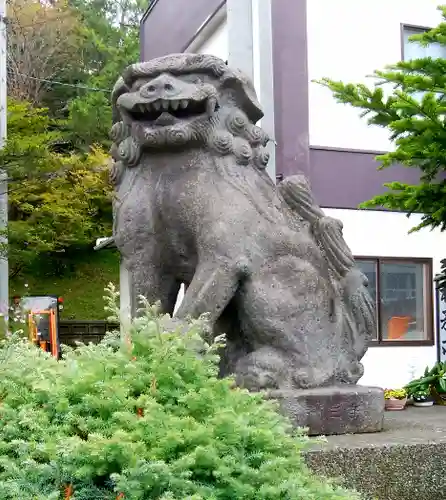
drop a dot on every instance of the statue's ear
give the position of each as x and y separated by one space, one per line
244 92
119 89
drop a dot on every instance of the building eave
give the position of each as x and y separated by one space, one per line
148 11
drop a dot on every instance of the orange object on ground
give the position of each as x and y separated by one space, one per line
397 327
51 313
68 492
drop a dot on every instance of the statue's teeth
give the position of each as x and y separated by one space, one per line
174 104
157 105
165 105
184 103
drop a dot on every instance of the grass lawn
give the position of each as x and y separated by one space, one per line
82 287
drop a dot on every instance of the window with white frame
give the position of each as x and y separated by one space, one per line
414 50
403 293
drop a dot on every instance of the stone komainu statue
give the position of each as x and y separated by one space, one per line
195 205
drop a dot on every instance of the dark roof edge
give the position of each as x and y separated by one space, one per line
148 11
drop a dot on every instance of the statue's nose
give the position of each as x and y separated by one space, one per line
162 86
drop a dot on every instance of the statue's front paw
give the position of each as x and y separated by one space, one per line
256 381
306 378
350 375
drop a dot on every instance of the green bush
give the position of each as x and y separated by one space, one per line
149 420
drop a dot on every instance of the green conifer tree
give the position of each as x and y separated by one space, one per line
414 113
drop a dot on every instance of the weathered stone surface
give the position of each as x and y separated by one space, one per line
194 205
403 462
334 410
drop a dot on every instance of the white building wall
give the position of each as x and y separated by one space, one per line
213 40
256 48
385 234
348 40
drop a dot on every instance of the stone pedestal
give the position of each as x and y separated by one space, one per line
349 409
379 465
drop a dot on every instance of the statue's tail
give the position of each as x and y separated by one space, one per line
296 192
358 306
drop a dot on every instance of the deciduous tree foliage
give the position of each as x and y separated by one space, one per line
64 57
110 31
43 45
409 99
57 202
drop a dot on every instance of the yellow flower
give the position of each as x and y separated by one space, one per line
395 393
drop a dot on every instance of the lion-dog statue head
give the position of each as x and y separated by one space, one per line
182 101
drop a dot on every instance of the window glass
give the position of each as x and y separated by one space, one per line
401 298
402 301
413 50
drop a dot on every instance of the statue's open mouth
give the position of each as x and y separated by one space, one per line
168 111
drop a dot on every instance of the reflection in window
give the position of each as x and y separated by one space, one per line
402 301
402 296
414 50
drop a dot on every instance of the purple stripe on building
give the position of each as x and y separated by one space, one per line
344 179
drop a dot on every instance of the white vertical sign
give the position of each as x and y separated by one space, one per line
441 325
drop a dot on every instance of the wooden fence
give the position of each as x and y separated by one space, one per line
71 331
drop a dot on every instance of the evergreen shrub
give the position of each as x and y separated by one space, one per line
146 419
